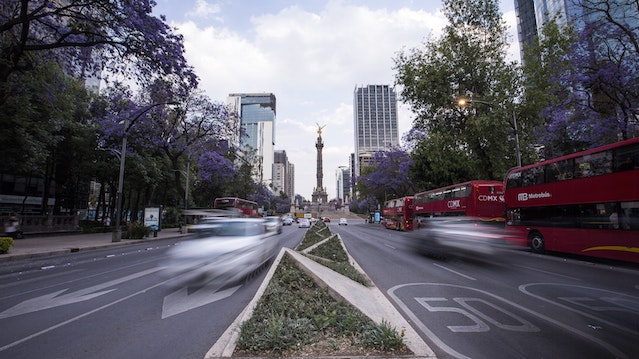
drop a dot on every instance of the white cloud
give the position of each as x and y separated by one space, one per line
203 10
312 62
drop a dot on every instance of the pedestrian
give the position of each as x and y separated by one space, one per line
11 227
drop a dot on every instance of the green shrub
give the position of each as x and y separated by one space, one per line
91 226
136 231
295 316
5 244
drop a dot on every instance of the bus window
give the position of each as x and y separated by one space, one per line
595 164
533 176
514 180
626 158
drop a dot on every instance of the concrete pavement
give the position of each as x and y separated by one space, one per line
41 246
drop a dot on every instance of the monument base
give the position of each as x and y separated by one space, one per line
319 196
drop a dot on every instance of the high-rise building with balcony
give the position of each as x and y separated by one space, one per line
375 121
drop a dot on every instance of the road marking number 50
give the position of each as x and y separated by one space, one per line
476 316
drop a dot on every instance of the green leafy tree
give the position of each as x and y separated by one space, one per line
468 60
543 63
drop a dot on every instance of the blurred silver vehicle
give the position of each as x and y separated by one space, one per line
224 251
274 224
459 235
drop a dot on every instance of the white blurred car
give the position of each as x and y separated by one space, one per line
274 224
304 223
343 221
224 251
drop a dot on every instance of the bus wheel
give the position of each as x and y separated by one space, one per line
536 242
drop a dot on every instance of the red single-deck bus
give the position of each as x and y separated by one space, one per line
586 203
483 200
246 207
398 213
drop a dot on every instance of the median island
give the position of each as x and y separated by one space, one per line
295 316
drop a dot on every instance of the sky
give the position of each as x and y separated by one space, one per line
311 55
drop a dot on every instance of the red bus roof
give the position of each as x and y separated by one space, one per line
472 183
578 154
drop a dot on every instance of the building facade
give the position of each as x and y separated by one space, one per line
255 130
283 175
343 181
375 121
532 15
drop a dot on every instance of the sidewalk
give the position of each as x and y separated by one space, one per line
33 247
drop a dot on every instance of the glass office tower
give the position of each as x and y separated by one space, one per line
375 120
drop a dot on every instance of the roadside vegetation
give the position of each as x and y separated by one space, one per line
296 317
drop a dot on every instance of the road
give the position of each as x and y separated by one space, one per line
513 305
114 303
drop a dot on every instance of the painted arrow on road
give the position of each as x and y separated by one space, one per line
55 299
181 301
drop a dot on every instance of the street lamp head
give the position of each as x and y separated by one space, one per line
462 102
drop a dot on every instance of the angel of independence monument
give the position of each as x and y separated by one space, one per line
319 196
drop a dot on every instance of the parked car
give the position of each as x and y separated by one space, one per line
304 223
274 224
343 221
223 252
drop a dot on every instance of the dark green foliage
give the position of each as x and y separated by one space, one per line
5 244
294 314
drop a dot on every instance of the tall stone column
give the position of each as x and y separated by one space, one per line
319 193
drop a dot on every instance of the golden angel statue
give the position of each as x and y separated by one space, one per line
319 129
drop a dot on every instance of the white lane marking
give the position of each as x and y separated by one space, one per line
44 331
615 300
389 246
454 271
181 301
391 292
54 299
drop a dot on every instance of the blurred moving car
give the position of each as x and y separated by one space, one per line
326 219
287 221
443 235
304 223
223 252
343 221
274 224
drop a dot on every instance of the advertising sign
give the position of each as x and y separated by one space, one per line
152 218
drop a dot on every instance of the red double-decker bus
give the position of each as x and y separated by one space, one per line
245 207
398 213
483 200
586 203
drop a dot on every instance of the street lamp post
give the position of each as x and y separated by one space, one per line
462 102
117 234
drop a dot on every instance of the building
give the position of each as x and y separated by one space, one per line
532 15
283 175
255 130
375 121
343 179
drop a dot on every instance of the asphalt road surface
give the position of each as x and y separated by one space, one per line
114 303
513 304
